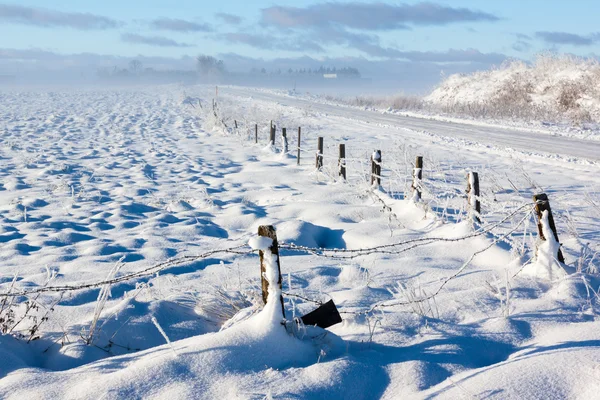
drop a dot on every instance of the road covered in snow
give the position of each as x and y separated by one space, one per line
522 140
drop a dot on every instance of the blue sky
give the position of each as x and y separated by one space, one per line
463 33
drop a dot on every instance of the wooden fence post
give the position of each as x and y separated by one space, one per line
269 231
298 145
319 163
255 133
473 196
285 141
235 122
272 136
376 167
342 160
543 204
417 177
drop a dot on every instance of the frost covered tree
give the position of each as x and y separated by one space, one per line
135 66
209 66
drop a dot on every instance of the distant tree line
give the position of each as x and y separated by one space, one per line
347 72
136 71
209 68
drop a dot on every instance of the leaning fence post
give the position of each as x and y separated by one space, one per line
473 196
269 231
298 145
417 177
342 160
319 163
543 204
235 122
285 141
376 167
255 133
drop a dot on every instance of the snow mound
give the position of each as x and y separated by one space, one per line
216 365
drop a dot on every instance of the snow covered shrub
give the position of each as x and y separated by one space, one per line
553 87
420 302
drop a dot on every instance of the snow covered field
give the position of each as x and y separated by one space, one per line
98 184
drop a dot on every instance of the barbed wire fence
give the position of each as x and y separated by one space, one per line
500 222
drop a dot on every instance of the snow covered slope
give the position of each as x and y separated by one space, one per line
551 87
105 183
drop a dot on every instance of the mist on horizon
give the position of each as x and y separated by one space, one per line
346 48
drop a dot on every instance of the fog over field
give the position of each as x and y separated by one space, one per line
299 200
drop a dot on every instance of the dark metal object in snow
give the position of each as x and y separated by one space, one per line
325 316
543 204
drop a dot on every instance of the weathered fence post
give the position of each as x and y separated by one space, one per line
376 167
269 231
473 196
235 122
285 141
272 135
543 204
255 133
298 145
417 177
342 160
319 163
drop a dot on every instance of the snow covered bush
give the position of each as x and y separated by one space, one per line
553 87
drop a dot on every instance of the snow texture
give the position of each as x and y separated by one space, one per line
98 183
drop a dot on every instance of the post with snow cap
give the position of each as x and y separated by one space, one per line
376 167
342 160
417 177
269 232
319 163
543 204
473 196
299 145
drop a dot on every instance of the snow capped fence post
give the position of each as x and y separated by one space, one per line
319 163
376 167
342 160
298 145
255 133
273 252
272 136
543 204
285 141
417 177
473 197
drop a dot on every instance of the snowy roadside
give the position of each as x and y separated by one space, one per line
587 131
